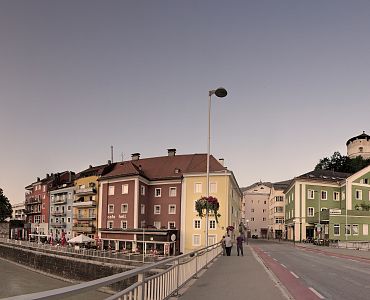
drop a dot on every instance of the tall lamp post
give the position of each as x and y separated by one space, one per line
221 93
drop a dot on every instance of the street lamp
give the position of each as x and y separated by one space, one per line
221 93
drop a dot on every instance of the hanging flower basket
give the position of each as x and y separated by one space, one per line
230 228
210 203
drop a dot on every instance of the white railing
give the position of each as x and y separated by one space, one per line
157 281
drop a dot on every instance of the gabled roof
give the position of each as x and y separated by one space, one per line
326 175
257 184
282 185
165 167
94 171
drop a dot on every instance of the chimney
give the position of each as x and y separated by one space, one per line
38 179
171 152
47 176
135 156
90 166
221 161
109 162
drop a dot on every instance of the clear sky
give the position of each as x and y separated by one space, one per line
79 76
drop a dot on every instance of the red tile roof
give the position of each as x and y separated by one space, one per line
165 167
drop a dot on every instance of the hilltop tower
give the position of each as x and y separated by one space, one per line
359 146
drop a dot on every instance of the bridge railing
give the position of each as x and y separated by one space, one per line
83 252
156 281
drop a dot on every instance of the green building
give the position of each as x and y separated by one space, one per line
328 205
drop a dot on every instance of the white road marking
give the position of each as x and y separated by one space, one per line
316 293
274 259
295 275
284 266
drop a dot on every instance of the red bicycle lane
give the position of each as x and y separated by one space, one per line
297 289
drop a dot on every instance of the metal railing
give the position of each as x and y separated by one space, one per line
156 281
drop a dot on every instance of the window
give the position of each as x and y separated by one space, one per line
142 190
157 192
252 219
336 229
142 224
124 189
355 229
279 198
212 224
279 209
69 208
348 229
213 187
172 192
111 190
110 208
197 224
310 194
263 210
157 209
361 149
252 210
171 225
172 209
142 209
324 195
110 224
198 188
366 180
44 188
310 211
124 208
263 219
358 195
157 224
343 195
196 240
123 224
365 229
336 196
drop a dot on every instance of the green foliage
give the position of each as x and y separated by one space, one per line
342 163
5 207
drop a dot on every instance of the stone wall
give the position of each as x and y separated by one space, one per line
63 266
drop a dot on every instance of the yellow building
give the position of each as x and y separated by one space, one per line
85 205
224 187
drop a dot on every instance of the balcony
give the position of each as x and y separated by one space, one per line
59 201
32 212
86 191
58 224
32 200
85 217
84 228
58 213
91 203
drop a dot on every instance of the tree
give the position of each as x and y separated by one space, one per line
5 207
342 163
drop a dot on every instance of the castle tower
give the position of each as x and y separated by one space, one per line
359 146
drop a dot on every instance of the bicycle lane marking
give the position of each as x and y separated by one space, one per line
295 286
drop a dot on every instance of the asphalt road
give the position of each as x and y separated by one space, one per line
17 280
326 276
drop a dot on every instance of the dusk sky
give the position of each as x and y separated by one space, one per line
79 76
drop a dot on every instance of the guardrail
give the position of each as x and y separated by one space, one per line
354 245
156 281
103 255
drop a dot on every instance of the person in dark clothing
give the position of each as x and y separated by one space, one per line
239 244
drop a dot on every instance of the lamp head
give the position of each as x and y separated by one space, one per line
220 92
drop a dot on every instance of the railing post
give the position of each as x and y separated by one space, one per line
177 278
196 266
141 287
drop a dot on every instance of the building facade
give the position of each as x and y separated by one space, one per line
359 146
224 187
276 226
256 208
329 205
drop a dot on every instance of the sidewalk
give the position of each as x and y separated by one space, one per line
234 277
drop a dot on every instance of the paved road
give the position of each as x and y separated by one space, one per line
328 276
17 280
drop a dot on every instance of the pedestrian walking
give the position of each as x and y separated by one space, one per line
223 246
228 244
239 244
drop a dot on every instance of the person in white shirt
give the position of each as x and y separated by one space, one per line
228 244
